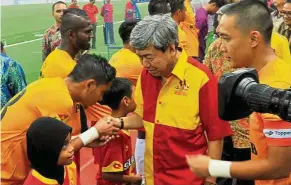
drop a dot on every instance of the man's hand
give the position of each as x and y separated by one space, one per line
105 127
199 165
102 141
137 180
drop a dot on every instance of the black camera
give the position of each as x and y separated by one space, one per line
240 94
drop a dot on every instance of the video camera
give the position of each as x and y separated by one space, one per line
240 94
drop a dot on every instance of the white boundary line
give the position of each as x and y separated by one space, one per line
87 164
20 43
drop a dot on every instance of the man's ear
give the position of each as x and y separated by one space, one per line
126 101
255 38
90 84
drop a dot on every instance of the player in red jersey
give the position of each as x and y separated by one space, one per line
116 160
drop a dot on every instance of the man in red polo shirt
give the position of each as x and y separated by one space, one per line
92 11
74 4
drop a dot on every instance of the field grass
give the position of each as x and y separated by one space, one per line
27 22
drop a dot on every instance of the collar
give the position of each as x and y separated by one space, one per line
180 67
43 179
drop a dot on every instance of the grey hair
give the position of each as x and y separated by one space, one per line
157 30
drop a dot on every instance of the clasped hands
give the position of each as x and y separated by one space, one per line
107 128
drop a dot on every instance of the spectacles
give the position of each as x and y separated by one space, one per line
287 13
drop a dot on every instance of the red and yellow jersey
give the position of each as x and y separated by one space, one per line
116 156
127 64
188 26
267 130
177 118
281 46
37 100
70 178
58 64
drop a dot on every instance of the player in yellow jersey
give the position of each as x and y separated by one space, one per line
125 61
246 43
76 32
51 97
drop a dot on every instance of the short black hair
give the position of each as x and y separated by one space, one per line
177 5
252 15
156 7
288 1
58 2
218 3
70 19
125 30
120 88
91 66
2 46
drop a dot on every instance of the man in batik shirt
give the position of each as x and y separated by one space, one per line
52 36
12 77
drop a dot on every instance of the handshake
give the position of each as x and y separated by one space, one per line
105 130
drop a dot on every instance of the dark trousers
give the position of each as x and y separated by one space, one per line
109 33
234 154
94 31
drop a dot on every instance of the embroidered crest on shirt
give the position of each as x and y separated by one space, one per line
182 88
117 165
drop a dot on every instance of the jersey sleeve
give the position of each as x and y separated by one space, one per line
138 98
112 156
208 109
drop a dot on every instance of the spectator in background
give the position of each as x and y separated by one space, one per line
178 12
276 15
52 36
285 27
74 4
188 26
125 61
131 11
202 22
92 11
159 7
12 77
107 14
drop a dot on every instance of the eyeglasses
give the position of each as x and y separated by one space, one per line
287 13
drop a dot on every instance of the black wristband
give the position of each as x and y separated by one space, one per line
121 123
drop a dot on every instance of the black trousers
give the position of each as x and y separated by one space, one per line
234 154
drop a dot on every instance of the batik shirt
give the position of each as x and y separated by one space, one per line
219 65
51 40
285 30
12 78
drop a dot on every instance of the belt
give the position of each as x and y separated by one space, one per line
140 134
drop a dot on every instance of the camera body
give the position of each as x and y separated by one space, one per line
240 94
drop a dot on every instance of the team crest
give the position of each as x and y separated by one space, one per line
182 88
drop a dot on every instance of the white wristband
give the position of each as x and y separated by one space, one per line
89 136
219 168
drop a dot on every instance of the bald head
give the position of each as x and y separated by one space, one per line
73 19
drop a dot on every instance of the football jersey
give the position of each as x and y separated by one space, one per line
281 47
116 156
58 64
35 178
127 64
268 130
45 97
